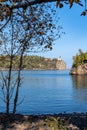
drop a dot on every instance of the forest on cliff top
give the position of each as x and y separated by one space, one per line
80 58
29 62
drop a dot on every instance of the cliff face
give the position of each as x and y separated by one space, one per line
80 70
51 64
60 65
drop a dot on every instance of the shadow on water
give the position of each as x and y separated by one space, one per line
79 84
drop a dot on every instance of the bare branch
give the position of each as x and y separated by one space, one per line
3 99
5 23
21 101
27 4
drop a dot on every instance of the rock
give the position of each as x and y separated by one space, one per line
72 127
80 70
60 65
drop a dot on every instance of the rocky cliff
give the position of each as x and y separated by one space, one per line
60 65
79 70
50 64
79 66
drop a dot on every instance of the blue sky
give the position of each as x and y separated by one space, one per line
75 28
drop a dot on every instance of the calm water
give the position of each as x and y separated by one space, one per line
51 92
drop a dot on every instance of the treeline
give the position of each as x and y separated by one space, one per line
29 62
80 58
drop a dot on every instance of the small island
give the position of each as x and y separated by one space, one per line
79 66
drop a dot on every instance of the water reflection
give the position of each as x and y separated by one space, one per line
79 81
79 84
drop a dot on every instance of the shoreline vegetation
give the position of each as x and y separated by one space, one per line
69 121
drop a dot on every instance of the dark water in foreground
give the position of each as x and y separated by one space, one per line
49 92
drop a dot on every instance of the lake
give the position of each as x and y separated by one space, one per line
51 92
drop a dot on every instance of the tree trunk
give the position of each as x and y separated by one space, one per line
18 83
8 87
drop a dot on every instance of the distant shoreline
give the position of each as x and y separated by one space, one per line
4 69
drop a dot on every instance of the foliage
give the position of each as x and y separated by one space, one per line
80 58
8 7
29 62
54 124
33 25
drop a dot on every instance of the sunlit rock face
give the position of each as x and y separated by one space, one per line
60 65
80 70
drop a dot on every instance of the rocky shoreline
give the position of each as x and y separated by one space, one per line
79 70
74 121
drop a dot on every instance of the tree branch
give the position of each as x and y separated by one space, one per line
26 4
